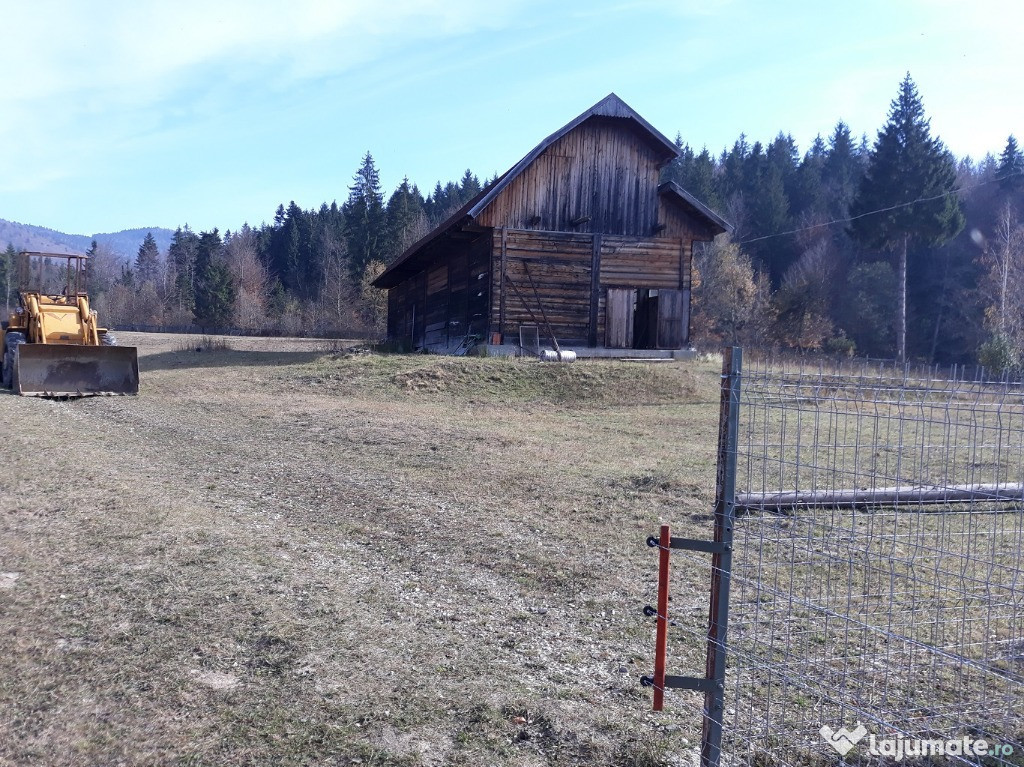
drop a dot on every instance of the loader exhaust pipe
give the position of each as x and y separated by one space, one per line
52 370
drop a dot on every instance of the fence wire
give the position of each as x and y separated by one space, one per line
878 575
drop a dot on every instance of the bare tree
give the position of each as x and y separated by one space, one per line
736 211
731 302
116 300
802 301
291 321
252 281
104 269
337 293
1004 284
374 300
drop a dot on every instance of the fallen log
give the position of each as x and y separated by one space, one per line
918 495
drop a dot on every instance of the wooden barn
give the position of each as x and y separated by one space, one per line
580 239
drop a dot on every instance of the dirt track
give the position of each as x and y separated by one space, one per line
275 555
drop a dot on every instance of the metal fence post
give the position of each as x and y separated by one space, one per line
661 640
721 562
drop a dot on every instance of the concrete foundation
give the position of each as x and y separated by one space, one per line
591 352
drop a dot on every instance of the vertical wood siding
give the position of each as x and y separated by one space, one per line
445 302
601 169
620 302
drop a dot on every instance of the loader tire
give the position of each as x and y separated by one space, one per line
11 342
108 339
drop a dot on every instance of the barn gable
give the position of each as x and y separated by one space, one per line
581 218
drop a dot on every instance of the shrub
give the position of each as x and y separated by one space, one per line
998 355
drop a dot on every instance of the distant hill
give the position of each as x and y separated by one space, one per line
125 243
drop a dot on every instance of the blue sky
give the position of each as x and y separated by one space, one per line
119 114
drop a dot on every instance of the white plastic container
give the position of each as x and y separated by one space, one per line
550 355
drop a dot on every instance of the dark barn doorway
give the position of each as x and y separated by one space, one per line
645 318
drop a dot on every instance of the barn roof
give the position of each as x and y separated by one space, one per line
611 106
695 206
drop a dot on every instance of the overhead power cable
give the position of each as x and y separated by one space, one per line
879 210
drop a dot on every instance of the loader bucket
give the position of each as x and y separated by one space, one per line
58 370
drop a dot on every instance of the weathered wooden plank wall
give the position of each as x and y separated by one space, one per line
478 294
678 223
439 306
635 263
436 331
670 319
394 315
560 265
600 170
402 309
620 318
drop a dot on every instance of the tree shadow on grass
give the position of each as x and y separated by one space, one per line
220 359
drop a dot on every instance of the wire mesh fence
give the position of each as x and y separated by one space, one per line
877 578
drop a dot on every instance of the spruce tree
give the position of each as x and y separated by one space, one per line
215 290
295 243
215 300
842 171
90 266
406 221
182 253
768 208
807 198
907 195
364 217
733 164
147 262
695 173
470 186
783 155
8 266
1010 170
435 205
701 181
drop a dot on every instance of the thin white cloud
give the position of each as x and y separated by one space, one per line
81 80
60 48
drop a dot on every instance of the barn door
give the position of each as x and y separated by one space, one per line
619 318
671 316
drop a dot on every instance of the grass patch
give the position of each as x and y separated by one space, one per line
506 380
203 344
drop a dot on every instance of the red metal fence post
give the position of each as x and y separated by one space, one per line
661 638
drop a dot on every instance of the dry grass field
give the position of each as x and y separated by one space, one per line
283 554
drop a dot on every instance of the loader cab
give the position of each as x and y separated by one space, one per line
60 277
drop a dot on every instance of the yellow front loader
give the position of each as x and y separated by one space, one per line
53 345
